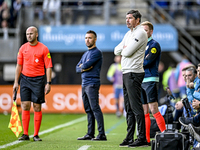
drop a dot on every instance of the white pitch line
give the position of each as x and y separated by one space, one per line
84 147
47 131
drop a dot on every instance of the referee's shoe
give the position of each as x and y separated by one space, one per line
24 137
36 138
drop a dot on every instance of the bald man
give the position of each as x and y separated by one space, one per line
33 57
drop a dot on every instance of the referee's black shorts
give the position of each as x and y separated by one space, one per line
32 89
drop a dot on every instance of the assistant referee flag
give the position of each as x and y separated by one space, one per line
15 123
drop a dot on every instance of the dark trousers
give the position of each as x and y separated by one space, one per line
178 113
133 105
90 95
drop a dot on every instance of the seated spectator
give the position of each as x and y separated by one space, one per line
179 104
193 90
189 75
195 103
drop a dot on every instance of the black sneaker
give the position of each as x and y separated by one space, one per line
86 137
100 137
24 137
186 121
36 138
139 143
194 131
148 143
125 143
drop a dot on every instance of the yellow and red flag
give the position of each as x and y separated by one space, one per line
15 123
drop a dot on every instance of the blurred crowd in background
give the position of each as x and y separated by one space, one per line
57 12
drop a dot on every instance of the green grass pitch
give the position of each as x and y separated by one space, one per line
65 138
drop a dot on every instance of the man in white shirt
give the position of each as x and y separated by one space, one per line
132 49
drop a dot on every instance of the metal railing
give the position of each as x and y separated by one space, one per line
105 17
187 44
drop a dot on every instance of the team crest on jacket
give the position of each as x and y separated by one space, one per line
147 47
153 50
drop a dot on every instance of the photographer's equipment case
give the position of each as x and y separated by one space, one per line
170 140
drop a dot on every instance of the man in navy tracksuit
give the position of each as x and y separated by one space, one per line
150 82
90 67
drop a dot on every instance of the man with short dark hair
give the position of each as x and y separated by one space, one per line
179 104
90 66
132 49
193 87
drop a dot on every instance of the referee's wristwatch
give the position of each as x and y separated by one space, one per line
49 83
